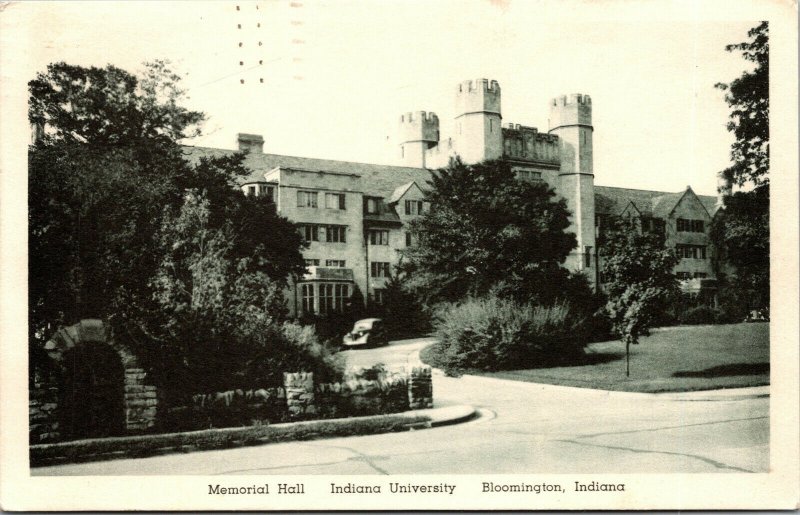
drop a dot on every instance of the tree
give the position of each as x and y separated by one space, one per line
99 180
639 279
487 230
741 230
748 98
219 298
186 269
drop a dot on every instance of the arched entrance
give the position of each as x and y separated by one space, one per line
92 395
90 386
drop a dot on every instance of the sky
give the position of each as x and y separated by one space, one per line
330 79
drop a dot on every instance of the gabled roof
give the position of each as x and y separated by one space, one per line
398 193
663 205
614 201
378 180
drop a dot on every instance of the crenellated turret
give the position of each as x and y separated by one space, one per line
571 121
478 134
418 132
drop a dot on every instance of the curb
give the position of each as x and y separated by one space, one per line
448 415
79 451
724 394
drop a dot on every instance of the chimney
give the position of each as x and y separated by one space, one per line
250 143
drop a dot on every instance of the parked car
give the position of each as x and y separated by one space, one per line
366 332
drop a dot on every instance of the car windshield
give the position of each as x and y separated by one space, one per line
363 325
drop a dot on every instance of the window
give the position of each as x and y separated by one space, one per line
379 269
306 199
309 232
307 294
684 225
408 239
325 298
334 201
312 262
588 257
691 251
335 234
378 295
378 237
700 275
413 207
333 297
683 275
371 206
529 175
335 263
341 292
266 191
251 191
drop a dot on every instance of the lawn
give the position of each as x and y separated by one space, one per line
672 359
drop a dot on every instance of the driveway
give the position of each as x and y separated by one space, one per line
523 428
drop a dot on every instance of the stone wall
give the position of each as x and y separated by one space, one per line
420 388
358 396
300 394
43 408
300 398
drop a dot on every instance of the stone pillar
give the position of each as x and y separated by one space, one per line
420 388
141 403
42 410
299 393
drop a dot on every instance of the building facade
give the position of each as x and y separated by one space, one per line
354 216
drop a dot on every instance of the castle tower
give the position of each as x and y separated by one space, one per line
478 135
571 121
419 131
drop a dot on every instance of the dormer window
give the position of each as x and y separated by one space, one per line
372 206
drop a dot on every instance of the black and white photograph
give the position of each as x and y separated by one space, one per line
480 254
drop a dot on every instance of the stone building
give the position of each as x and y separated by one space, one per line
354 215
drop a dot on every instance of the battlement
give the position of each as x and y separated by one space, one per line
528 144
574 98
420 116
483 85
419 126
478 96
575 109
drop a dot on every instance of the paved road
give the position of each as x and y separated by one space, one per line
523 428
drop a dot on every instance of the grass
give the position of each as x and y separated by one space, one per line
225 438
674 359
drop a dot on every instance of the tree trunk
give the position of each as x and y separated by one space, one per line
627 359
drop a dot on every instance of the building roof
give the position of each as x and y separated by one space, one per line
613 201
391 182
379 180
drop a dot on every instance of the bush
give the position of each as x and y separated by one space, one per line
699 315
495 334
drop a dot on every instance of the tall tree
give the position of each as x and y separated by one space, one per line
741 230
639 279
485 229
99 180
748 98
187 270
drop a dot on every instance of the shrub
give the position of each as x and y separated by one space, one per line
699 315
494 334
